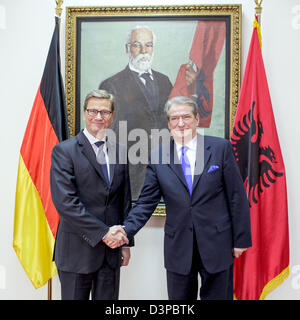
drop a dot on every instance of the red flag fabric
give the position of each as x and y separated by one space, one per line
205 52
36 218
254 138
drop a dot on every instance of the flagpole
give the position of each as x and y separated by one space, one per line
50 289
58 11
258 9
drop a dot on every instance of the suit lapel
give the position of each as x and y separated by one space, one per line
160 86
175 164
201 160
112 156
134 84
89 153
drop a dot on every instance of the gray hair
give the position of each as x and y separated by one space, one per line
128 39
181 100
101 94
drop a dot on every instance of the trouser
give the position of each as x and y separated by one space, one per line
214 286
102 284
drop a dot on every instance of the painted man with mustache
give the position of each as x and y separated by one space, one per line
140 95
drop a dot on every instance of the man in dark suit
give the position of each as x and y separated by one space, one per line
140 95
207 212
91 193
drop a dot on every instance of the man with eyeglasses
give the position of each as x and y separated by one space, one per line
207 211
140 94
91 191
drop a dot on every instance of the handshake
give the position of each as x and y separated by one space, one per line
115 237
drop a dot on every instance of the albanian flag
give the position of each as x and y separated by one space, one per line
205 52
36 219
254 138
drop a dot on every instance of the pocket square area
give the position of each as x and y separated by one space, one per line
213 168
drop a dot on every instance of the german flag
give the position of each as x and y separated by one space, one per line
36 219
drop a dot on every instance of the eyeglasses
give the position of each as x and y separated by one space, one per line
185 118
103 113
138 45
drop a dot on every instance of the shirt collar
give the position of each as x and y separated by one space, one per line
192 145
132 68
91 138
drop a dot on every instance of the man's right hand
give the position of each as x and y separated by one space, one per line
115 237
190 78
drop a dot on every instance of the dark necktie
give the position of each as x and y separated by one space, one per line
150 92
147 78
186 168
102 161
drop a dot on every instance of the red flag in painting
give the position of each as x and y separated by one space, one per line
255 142
206 49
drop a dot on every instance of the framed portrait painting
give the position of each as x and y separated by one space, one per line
146 55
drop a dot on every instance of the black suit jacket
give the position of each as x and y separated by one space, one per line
86 205
217 211
132 106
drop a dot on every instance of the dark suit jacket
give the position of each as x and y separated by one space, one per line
132 106
86 205
217 211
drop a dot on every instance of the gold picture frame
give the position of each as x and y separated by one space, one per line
77 17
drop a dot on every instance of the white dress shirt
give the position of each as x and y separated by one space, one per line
96 149
132 68
190 153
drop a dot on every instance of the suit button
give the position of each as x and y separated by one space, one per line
191 228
